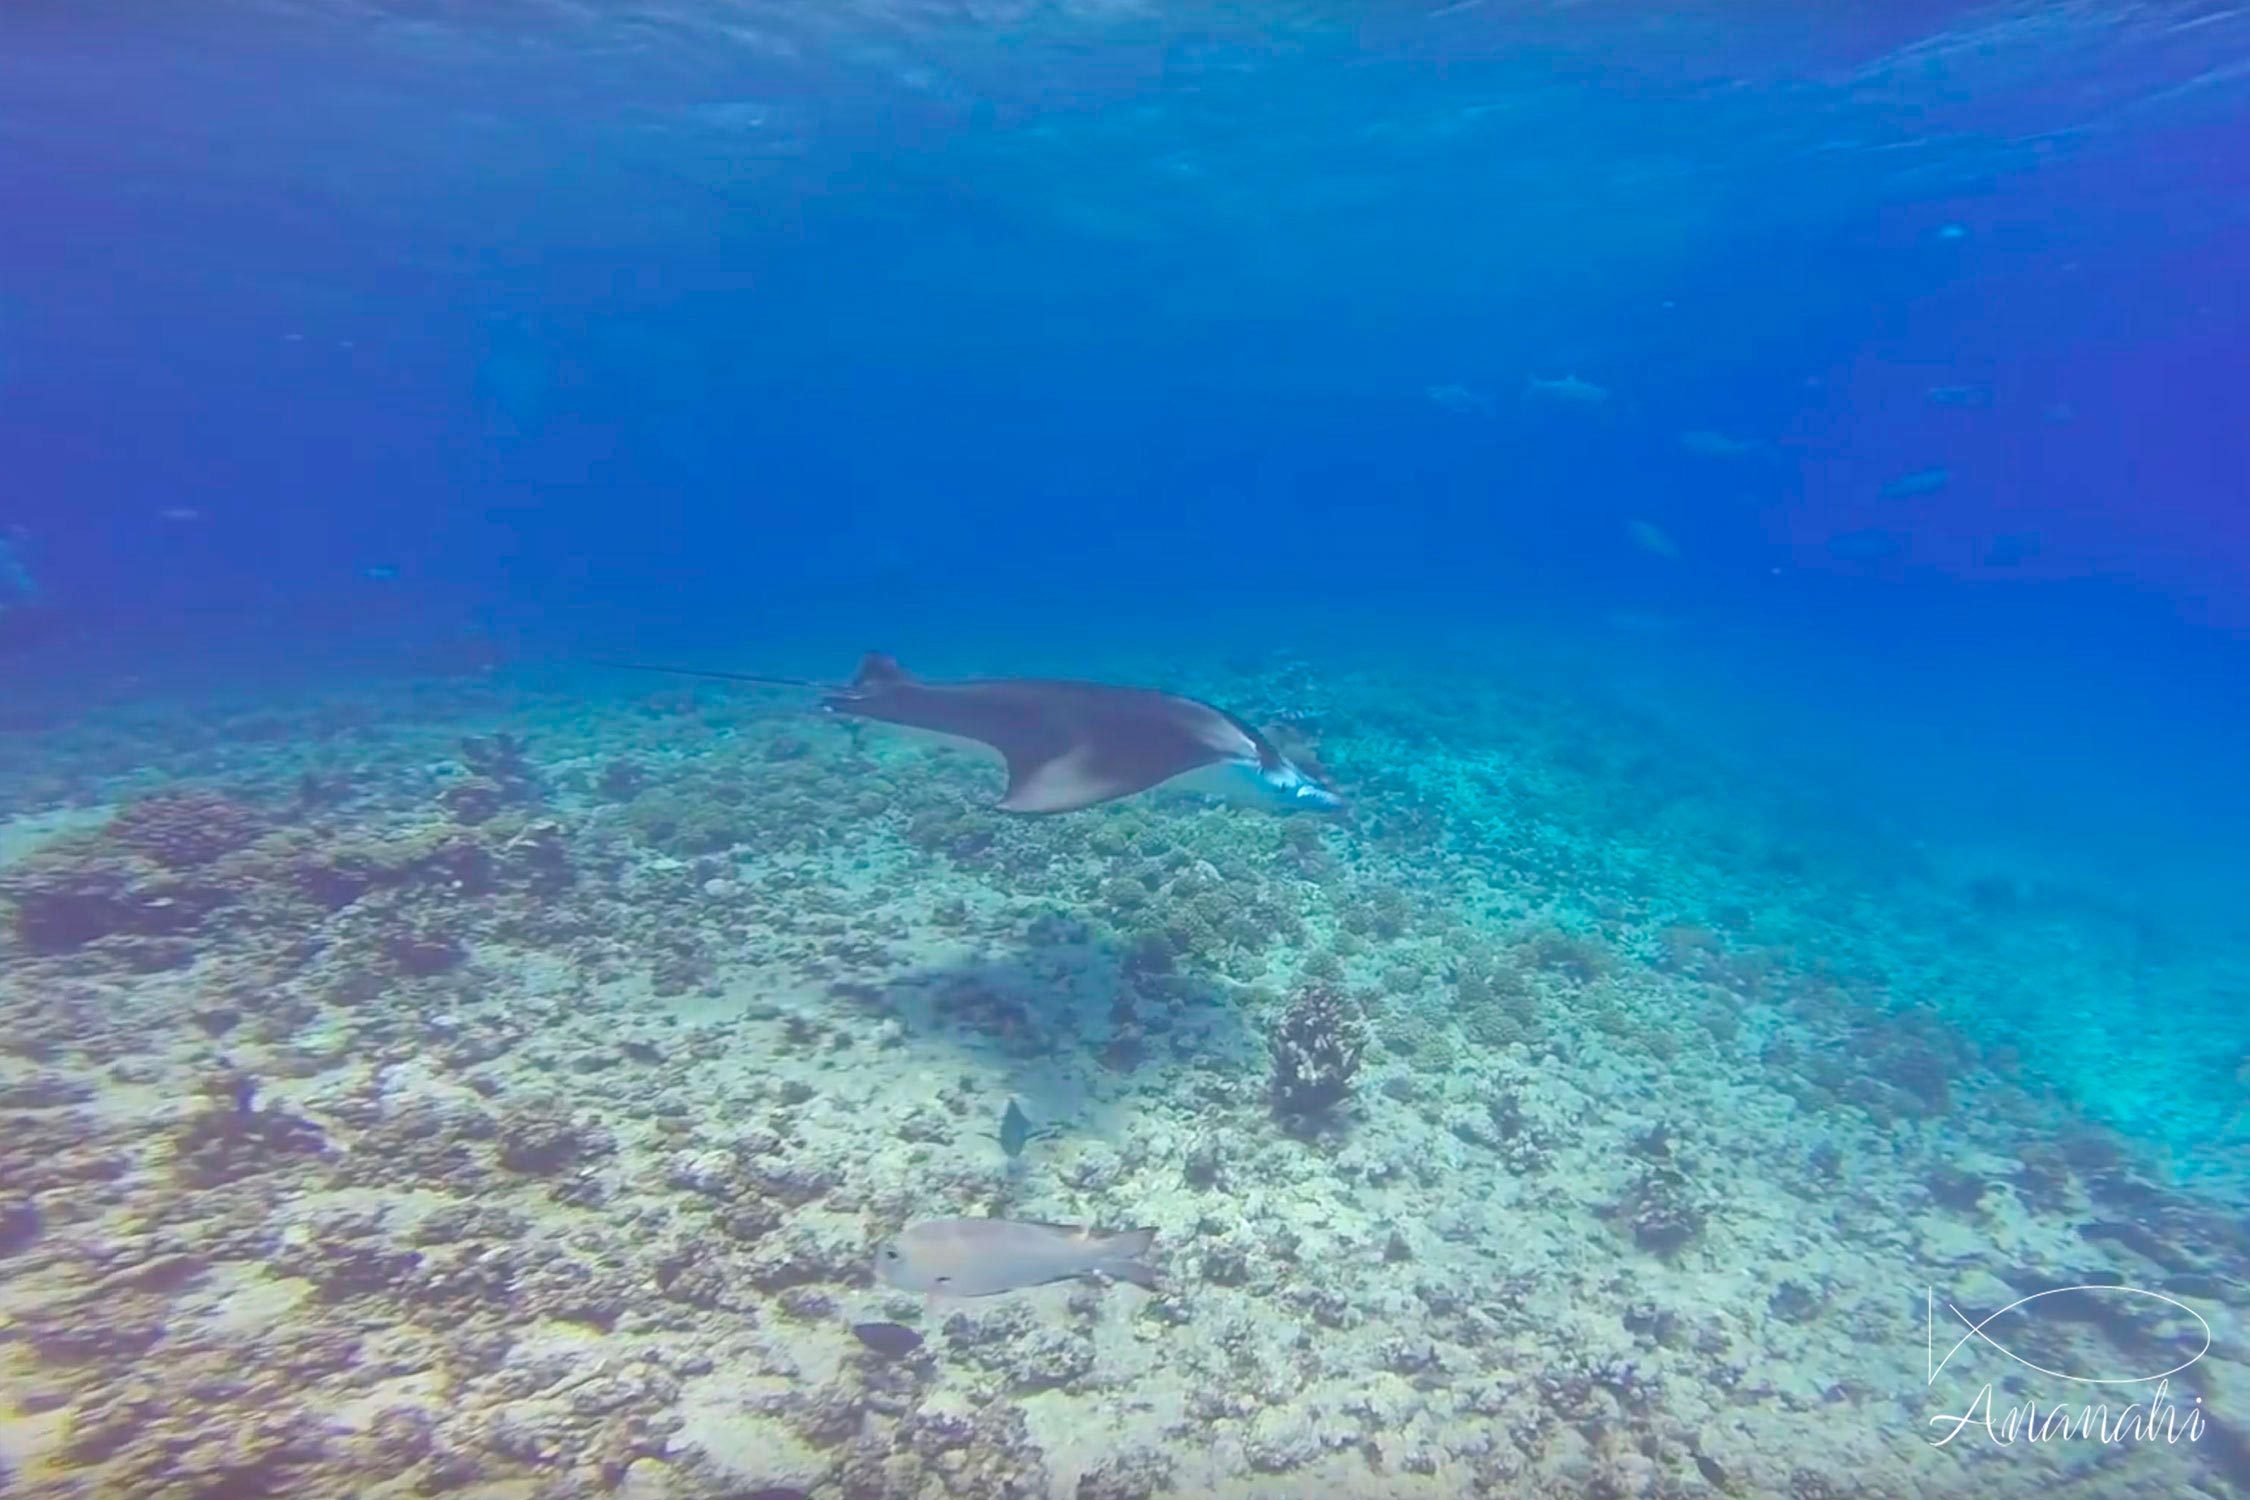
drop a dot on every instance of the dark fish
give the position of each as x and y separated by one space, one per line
772 1492
1015 1130
891 1340
1070 745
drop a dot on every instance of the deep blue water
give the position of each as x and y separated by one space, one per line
781 335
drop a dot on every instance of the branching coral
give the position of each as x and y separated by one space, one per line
1316 1051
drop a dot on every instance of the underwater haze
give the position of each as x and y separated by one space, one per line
1742 504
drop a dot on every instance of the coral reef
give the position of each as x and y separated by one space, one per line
234 1134
384 1115
185 830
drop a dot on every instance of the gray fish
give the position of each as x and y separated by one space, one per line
981 1257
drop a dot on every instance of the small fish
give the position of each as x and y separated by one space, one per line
380 573
1711 444
1920 482
1567 388
891 1340
1651 538
1015 1130
981 1257
179 514
770 1492
1959 395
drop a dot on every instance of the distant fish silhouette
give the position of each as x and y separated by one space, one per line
1072 745
1711 444
1920 482
1653 539
1460 399
1566 388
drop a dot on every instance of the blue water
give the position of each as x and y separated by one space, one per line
1838 409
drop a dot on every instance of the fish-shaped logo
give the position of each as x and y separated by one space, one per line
1981 1329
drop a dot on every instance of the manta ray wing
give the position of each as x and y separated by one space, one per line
1067 745
1109 751
1072 745
1063 783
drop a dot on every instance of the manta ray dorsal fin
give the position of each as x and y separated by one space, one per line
876 670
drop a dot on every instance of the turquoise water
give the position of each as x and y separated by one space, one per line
1742 504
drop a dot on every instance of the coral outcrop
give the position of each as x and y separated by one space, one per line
1317 1048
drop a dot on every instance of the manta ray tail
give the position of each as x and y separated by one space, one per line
876 672
715 676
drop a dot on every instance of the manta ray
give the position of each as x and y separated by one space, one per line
1071 745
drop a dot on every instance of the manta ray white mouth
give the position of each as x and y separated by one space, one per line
1247 783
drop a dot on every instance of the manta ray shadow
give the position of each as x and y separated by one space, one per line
1058 1021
